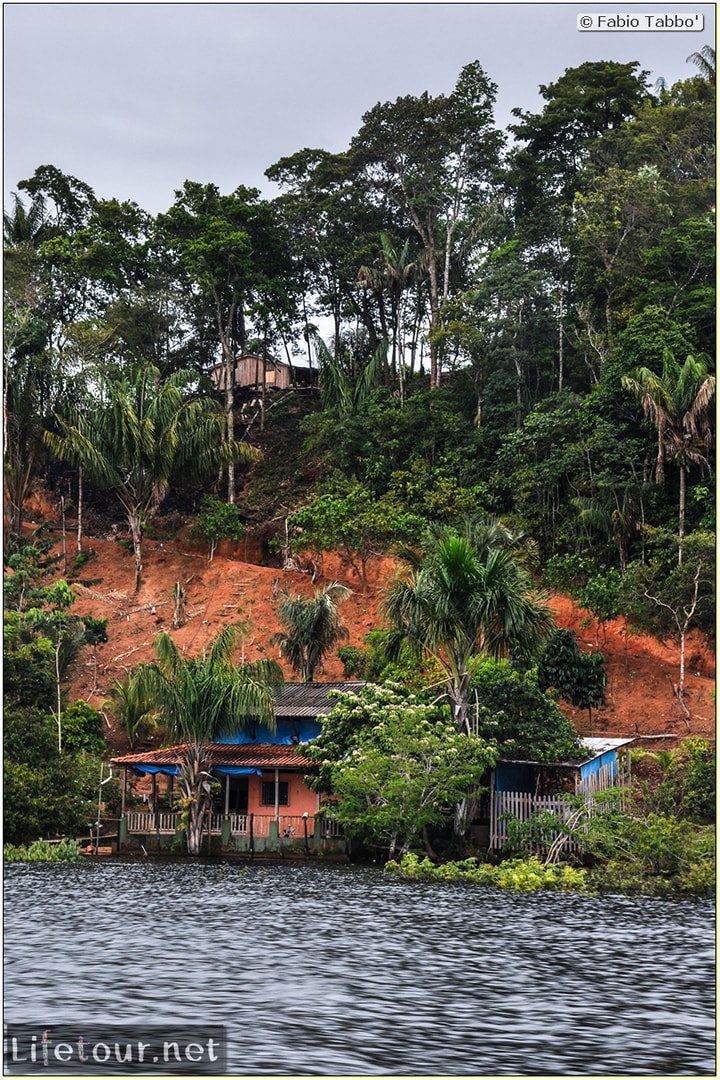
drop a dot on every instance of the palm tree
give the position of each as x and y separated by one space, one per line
619 520
26 228
704 61
678 403
202 699
400 271
337 389
466 593
312 627
142 432
134 708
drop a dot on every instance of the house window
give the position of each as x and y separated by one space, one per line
268 793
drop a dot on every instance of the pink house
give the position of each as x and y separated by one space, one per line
262 804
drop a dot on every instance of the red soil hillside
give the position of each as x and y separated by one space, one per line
640 695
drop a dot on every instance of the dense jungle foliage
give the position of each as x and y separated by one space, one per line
518 324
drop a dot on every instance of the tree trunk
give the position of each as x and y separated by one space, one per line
80 509
458 694
64 535
194 785
194 828
431 854
179 610
230 418
397 349
518 388
561 339
225 330
136 533
464 813
681 514
434 323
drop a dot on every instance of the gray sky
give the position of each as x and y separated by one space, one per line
136 98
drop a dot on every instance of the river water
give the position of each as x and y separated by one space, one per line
341 969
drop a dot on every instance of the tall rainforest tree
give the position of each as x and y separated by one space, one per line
26 365
230 248
433 159
202 699
333 224
141 432
399 271
587 106
465 593
679 404
311 627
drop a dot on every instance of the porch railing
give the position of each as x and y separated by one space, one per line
290 826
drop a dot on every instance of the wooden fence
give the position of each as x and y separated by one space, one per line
519 805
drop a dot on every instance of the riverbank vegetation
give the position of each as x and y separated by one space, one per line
393 771
658 842
513 392
653 856
65 850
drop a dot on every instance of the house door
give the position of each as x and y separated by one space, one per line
238 798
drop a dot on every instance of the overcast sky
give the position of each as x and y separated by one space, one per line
136 98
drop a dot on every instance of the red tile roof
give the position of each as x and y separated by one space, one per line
259 756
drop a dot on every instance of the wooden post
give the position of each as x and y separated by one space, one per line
227 795
155 805
252 835
277 798
179 613
124 791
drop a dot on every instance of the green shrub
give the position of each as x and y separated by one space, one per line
218 521
687 789
527 723
515 875
43 851
656 855
58 797
82 729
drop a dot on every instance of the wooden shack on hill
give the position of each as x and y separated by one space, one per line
257 374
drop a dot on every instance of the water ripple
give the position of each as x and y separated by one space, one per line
326 970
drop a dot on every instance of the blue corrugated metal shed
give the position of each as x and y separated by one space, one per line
599 769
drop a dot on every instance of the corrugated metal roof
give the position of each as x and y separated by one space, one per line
260 756
310 699
602 745
595 747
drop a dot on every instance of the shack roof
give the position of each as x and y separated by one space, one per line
595 748
310 699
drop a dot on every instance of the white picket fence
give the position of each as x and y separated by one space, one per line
506 805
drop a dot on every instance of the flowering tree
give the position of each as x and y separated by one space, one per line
395 766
